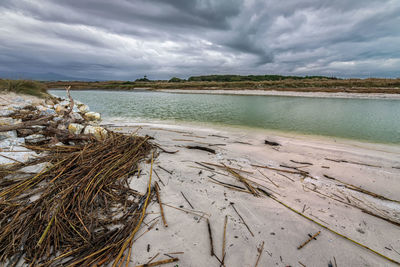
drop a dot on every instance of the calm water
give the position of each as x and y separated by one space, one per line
376 120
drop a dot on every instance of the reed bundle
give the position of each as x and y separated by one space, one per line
78 211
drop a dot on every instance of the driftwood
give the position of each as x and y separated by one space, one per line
300 162
248 228
157 187
224 240
271 143
353 162
156 263
308 240
26 124
223 167
260 250
187 200
243 180
211 238
207 149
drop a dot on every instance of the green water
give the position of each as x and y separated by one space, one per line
376 120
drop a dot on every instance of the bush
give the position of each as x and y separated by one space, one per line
23 87
175 80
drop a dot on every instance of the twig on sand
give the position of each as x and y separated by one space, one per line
155 256
268 178
211 239
187 200
203 165
161 181
260 250
162 168
224 240
158 262
302 264
286 177
243 180
308 240
301 162
160 203
248 228
224 167
207 149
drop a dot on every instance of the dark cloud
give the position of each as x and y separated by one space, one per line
126 39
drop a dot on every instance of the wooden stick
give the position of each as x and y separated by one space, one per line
267 178
158 262
308 240
159 178
211 239
300 162
248 228
155 256
224 240
259 254
203 165
187 200
243 180
160 203
194 212
162 168
224 167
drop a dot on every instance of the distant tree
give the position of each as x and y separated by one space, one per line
144 79
175 80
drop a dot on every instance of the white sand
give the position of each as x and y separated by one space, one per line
281 229
282 93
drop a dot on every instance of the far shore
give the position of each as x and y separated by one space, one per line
283 93
251 92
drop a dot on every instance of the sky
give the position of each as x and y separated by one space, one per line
127 39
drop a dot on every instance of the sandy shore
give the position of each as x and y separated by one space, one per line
332 203
283 93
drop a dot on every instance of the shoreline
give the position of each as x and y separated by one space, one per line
283 93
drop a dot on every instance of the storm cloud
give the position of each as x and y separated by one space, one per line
126 39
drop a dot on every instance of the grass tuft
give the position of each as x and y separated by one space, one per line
27 87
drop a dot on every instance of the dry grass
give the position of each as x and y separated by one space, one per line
24 87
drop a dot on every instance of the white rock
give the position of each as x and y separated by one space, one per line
92 116
75 128
61 127
83 108
64 103
11 142
6 112
36 138
76 116
59 109
8 121
98 132
20 106
9 134
48 112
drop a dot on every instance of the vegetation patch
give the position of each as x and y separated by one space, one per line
27 87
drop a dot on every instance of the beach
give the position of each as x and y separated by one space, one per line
332 193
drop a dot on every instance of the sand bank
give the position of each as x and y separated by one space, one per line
333 203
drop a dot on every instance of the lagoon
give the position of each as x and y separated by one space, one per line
373 120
